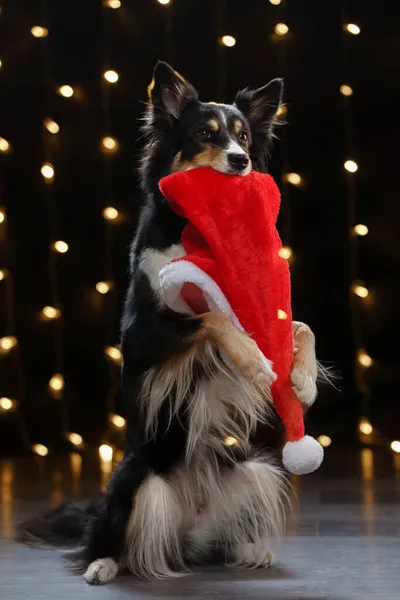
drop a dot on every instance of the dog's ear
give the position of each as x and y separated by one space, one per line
169 91
259 106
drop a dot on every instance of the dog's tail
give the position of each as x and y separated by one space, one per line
62 527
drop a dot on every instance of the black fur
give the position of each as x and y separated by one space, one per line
174 122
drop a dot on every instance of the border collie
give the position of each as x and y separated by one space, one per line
192 487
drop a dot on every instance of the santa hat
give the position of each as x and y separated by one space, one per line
232 256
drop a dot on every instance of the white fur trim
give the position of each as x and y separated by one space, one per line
176 274
303 456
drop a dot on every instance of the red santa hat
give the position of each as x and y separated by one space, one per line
232 255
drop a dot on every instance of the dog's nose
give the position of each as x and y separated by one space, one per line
238 161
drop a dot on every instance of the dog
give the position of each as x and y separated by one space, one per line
192 486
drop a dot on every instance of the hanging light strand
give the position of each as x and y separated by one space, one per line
52 313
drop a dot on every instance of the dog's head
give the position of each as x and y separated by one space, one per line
183 133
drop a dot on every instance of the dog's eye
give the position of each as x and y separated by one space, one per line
204 134
243 137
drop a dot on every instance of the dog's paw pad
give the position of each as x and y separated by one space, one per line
304 386
101 571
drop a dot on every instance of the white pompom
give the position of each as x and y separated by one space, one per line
303 456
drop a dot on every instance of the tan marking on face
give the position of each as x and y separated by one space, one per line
238 126
214 125
209 157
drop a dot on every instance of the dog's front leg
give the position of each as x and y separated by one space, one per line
305 367
106 540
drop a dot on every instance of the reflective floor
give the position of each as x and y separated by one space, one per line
343 542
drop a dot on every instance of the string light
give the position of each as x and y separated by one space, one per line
75 439
293 178
39 32
40 449
113 3
228 40
103 287
106 453
3 274
66 90
282 111
324 440
351 166
231 441
4 145
117 421
275 2
285 252
47 171
51 126
114 353
365 426
7 343
50 313
364 359
360 230
163 1
7 404
359 290
110 213
352 28
282 316
395 446
346 90
1 63
60 246
2 215
109 144
281 29
111 76
56 383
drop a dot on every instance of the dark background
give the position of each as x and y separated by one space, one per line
324 128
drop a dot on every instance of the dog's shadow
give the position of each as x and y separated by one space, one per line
220 583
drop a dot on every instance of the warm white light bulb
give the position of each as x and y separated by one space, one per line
106 453
275 2
395 446
47 171
281 29
113 3
228 40
285 252
51 312
117 421
365 426
6 404
8 342
364 359
293 178
163 1
66 90
360 229
103 287
114 353
4 145
111 76
109 144
346 90
359 290
56 383
282 316
75 439
51 126
39 32
282 111
60 246
351 166
231 441
40 449
3 274
110 213
352 28
324 440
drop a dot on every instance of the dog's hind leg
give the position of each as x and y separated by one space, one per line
106 539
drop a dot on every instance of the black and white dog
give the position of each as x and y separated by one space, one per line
191 487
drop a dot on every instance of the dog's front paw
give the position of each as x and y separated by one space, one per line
304 385
252 556
101 571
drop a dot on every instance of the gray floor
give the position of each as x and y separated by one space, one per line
343 542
